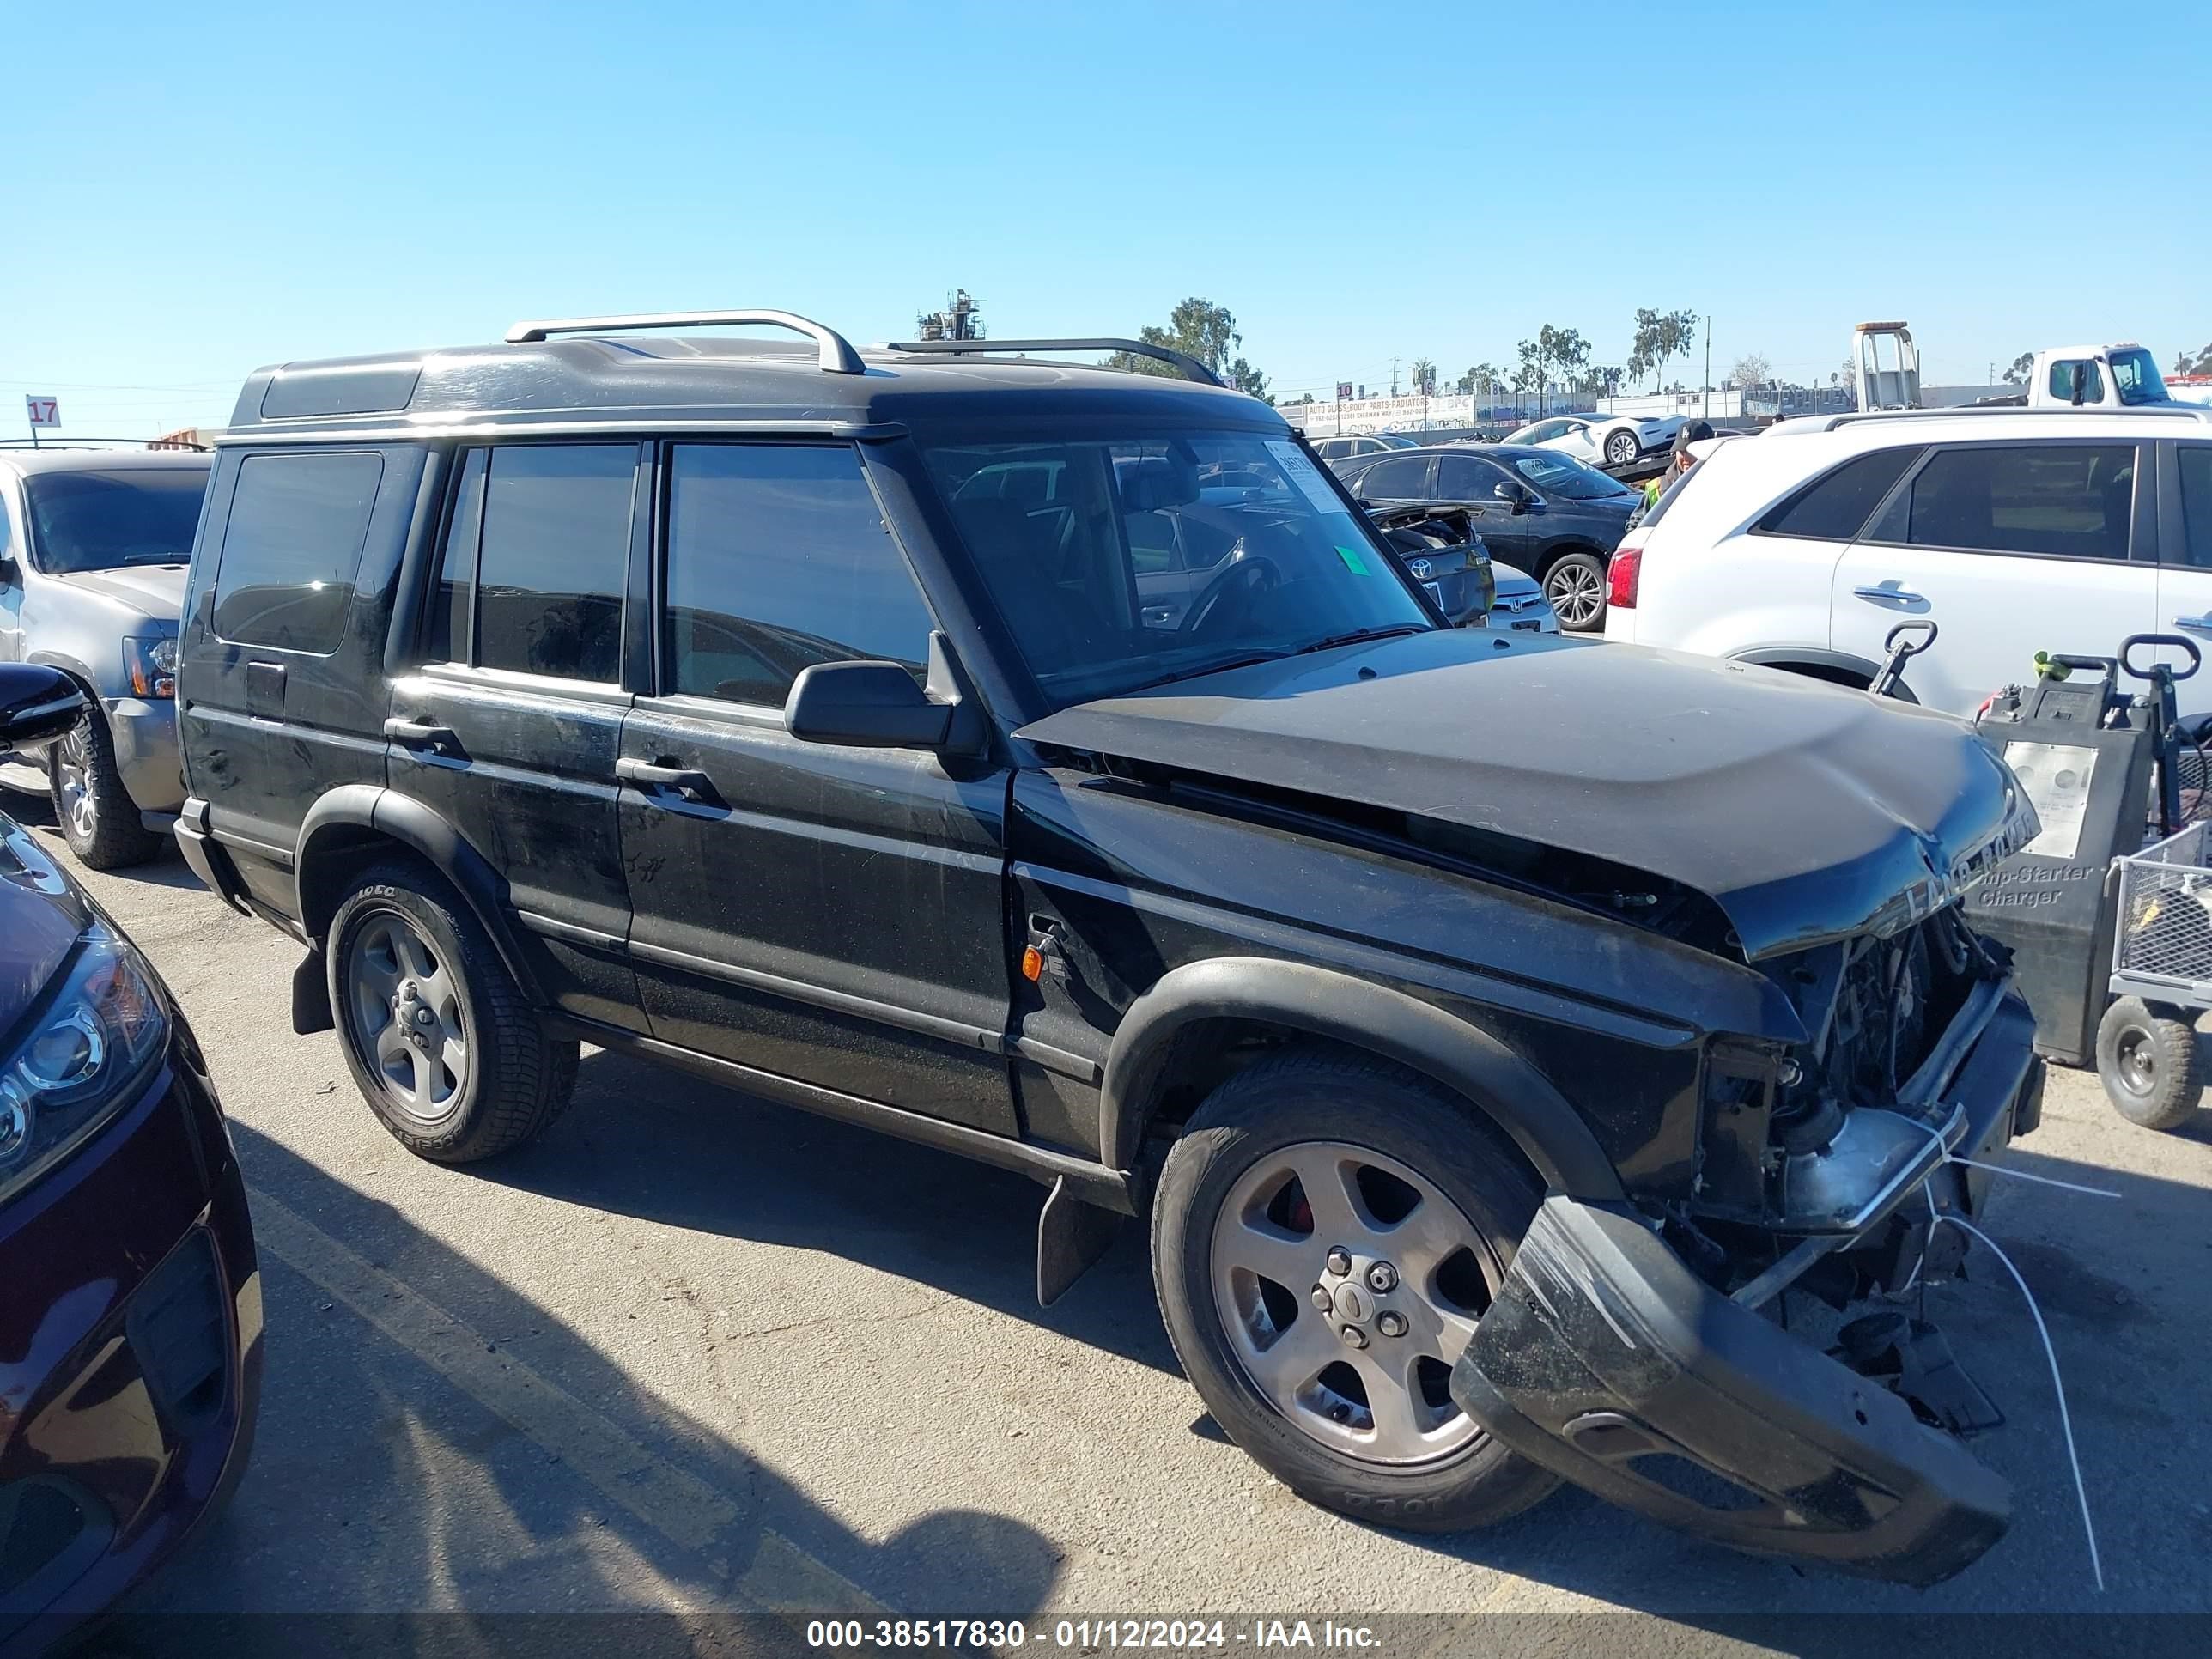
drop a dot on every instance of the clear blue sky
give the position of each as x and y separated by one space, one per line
196 188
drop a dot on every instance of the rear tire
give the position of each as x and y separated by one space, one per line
1622 448
97 817
442 1043
2148 1058
1329 1419
1575 587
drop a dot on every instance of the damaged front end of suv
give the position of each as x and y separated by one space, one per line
1762 876
1635 1349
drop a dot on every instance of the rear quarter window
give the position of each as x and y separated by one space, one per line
292 548
1835 506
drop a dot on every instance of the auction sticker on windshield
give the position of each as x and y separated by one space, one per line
1305 475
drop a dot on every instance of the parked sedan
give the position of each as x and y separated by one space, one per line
1333 450
1546 513
1600 440
131 1321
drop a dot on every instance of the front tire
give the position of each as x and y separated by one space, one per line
2148 1060
442 1043
97 817
1575 587
1622 448
1311 1173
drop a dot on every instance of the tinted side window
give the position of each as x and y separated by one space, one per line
2195 463
448 634
290 552
1463 478
777 560
1402 478
2072 500
1835 507
554 552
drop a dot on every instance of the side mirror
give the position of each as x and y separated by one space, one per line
37 704
876 705
1512 494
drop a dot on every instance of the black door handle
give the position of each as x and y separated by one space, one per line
691 784
419 734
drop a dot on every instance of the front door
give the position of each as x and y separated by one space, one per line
835 915
12 559
1472 482
2011 548
510 729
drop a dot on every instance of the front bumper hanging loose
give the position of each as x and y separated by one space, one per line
1605 1360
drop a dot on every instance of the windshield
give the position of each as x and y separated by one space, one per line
1120 563
2136 379
95 520
1562 475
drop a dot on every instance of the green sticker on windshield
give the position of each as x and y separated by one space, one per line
1353 562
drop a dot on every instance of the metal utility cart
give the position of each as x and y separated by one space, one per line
2115 981
2162 980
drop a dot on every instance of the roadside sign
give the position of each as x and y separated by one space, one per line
45 411
1344 392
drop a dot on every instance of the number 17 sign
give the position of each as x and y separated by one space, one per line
45 411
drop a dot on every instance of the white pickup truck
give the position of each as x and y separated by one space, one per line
2122 376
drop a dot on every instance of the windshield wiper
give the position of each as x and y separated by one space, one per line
1246 660
1360 634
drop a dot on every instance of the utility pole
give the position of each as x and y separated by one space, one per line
1394 377
1709 367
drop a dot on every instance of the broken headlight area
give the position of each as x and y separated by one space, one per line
1827 1136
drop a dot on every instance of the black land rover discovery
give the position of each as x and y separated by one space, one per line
1491 1025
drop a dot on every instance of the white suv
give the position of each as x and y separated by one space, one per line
2016 530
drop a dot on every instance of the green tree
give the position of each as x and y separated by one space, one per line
1199 328
1660 336
2020 369
1424 372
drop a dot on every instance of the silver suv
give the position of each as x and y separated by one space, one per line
94 548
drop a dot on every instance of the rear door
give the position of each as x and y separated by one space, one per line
831 914
2011 548
510 728
2185 575
1400 477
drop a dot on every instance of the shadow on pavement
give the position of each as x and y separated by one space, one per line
392 1473
646 1141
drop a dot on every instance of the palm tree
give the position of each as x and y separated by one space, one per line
1424 373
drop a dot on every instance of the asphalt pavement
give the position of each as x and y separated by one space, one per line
695 1352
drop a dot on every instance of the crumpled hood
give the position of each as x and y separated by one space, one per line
1805 811
155 590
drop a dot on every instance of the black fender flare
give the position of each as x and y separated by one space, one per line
339 816
1360 1014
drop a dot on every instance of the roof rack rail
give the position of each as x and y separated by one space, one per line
838 356
1192 369
2171 411
27 445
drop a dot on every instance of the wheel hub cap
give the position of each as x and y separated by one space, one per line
405 1016
1348 1284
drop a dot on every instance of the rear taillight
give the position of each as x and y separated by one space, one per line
1620 578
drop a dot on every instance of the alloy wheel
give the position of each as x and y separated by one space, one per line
1348 1285
1577 592
1622 450
406 1011
73 769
